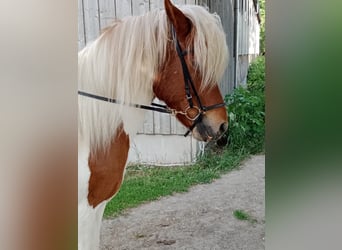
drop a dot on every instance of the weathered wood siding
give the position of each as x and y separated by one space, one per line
225 9
248 39
94 15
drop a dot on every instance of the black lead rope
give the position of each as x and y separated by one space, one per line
161 108
154 106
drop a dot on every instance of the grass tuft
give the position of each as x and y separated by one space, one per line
241 215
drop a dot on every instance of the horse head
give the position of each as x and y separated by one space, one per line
187 81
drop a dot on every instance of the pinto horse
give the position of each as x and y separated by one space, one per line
177 55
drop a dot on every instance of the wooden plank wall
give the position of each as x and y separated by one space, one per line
94 15
247 26
247 21
254 31
225 9
244 30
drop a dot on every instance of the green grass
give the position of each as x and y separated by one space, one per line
241 215
143 184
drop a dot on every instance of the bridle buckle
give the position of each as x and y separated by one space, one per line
192 113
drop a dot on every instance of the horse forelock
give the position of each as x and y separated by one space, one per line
124 60
209 44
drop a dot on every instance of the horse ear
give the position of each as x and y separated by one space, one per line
180 22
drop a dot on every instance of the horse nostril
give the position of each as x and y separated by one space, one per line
223 127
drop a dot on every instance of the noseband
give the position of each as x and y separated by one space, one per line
192 112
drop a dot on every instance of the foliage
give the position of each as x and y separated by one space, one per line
246 111
241 215
262 26
256 75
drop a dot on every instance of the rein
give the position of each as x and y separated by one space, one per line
154 106
192 112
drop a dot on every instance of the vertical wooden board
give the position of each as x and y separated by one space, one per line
179 2
251 30
81 34
173 122
176 127
243 31
156 122
156 4
148 123
107 12
240 31
140 7
165 124
227 18
123 8
250 11
250 35
160 3
190 2
156 119
246 28
246 33
180 128
203 3
91 20
225 9
162 121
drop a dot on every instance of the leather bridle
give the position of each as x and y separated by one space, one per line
192 112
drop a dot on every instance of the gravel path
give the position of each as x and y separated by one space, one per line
199 219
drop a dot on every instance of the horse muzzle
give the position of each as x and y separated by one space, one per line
207 131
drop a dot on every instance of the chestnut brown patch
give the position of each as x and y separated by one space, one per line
107 168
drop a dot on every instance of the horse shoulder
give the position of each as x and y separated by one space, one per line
107 169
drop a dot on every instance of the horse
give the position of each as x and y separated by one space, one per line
178 55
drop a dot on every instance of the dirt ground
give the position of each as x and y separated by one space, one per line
199 219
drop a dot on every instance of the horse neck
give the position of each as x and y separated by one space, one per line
124 60
120 64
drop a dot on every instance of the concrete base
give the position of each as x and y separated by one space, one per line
164 150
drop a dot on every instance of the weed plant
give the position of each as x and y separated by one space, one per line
246 111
